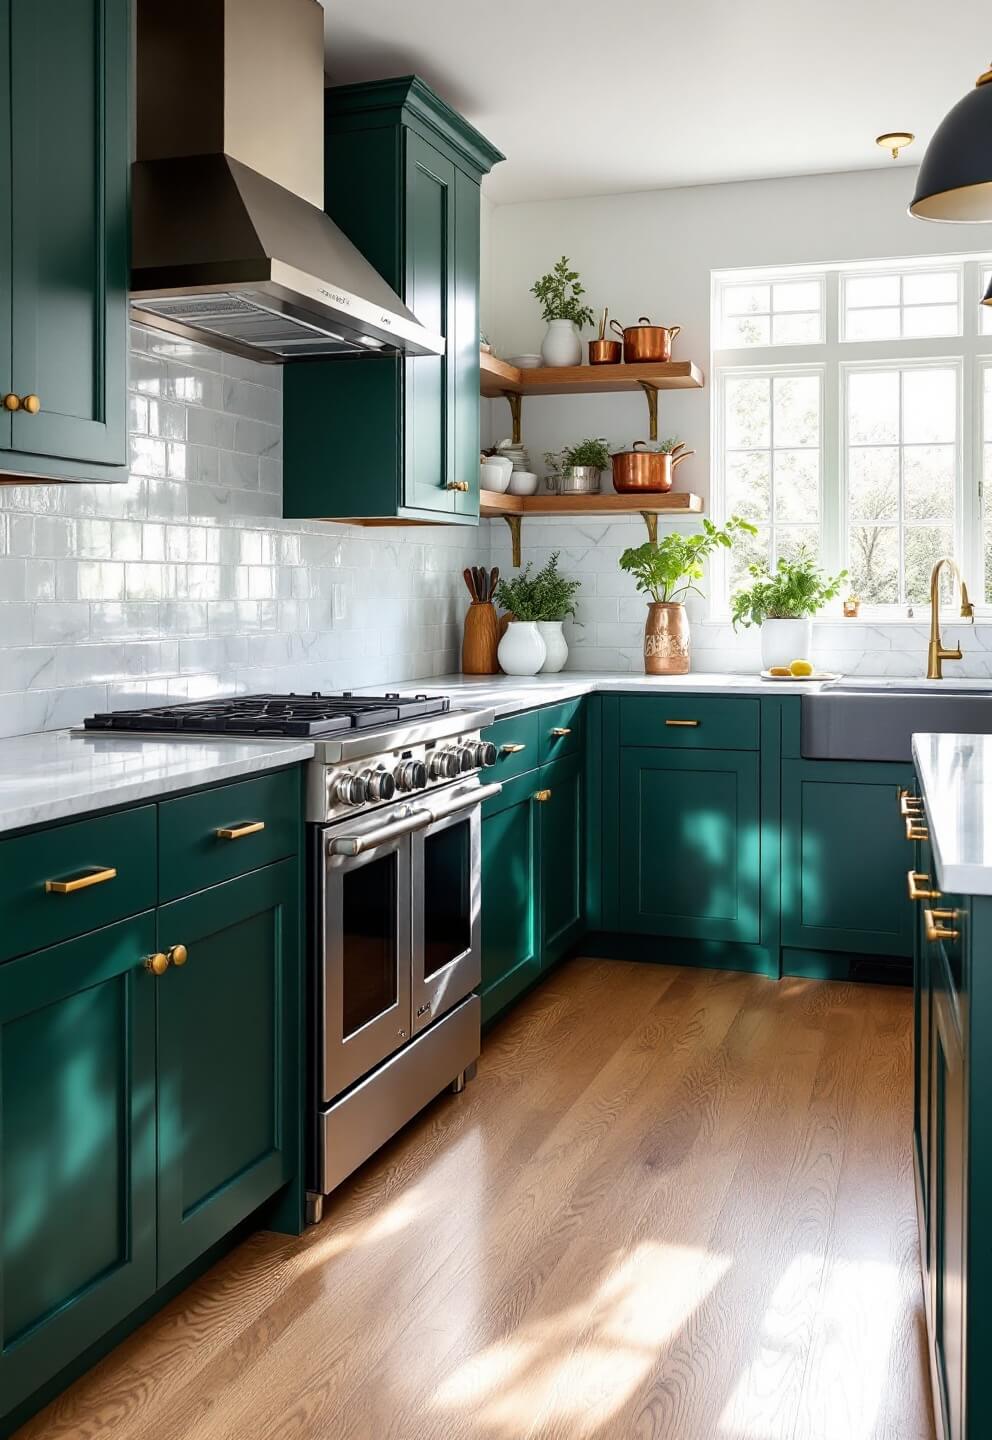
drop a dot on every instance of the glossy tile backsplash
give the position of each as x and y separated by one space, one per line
186 581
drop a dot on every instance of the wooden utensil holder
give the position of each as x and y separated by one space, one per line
481 640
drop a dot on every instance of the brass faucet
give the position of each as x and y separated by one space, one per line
938 652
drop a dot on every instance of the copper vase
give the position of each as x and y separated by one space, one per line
666 640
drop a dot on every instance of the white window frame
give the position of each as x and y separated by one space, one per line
900 272
971 350
815 277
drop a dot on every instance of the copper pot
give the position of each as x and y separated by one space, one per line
639 470
604 352
646 342
666 640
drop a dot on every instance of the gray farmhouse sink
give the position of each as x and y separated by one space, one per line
859 721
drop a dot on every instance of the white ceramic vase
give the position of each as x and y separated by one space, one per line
550 632
561 344
521 650
783 641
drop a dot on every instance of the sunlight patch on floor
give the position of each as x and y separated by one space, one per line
383 1225
838 1339
583 1363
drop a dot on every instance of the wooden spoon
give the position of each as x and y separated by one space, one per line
469 582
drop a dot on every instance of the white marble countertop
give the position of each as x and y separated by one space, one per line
956 782
58 774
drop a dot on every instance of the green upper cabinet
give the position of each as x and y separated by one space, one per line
64 156
77 1148
845 857
380 437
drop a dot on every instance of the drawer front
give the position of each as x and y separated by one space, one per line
227 831
70 879
516 741
690 722
560 730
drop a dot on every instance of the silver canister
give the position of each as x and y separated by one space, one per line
579 480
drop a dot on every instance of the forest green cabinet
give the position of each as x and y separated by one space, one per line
77 1148
64 157
380 437
511 934
844 857
562 862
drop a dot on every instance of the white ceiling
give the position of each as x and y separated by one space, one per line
588 97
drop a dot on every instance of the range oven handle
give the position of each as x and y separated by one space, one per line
358 844
467 800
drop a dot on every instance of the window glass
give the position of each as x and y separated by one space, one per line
913 305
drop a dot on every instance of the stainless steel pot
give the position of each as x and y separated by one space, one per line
580 480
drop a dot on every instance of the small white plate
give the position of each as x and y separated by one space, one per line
802 679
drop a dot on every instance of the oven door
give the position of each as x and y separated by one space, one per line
364 969
447 864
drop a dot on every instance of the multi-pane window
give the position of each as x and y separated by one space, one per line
781 312
901 452
987 481
901 306
772 427
985 311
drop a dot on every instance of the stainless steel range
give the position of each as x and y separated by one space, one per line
393 800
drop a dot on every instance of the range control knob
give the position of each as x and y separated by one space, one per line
349 789
483 753
445 765
379 784
410 775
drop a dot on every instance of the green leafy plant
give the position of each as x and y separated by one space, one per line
794 590
559 293
667 446
587 452
555 592
668 571
519 595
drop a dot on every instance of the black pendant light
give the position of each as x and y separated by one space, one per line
955 177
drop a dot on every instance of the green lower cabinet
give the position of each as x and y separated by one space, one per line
226 1058
77 1148
511 926
562 856
948 1207
689 844
845 858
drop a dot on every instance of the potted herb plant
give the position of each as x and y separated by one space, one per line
560 293
555 602
578 469
522 650
783 602
667 572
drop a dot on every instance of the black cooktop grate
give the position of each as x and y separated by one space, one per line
291 715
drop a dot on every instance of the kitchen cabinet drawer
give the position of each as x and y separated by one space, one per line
69 879
518 745
690 722
560 730
226 831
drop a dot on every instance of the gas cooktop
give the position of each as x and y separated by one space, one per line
291 715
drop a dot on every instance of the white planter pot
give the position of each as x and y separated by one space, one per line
554 643
561 345
521 650
783 641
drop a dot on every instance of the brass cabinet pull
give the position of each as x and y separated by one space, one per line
542 795
178 954
157 964
915 828
31 404
559 730
683 724
13 402
935 930
916 882
910 805
238 832
511 749
98 876
457 485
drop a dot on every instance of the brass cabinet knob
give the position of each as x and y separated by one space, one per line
559 730
915 828
916 883
457 485
935 928
910 805
157 963
542 795
12 401
178 954
512 749
31 404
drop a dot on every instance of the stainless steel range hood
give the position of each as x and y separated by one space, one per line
231 246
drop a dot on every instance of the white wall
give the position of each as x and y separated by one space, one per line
652 253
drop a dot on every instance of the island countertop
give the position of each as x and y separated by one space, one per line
955 774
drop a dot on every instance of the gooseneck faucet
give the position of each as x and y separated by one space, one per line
937 651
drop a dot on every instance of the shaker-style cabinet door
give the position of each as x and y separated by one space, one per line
559 786
948 1207
228 1061
66 192
511 927
77 1148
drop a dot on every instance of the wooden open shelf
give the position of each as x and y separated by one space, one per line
499 377
513 508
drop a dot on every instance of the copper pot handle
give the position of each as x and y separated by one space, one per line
674 330
635 445
617 328
677 459
643 320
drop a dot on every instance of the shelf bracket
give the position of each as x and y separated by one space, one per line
514 523
651 391
650 518
513 400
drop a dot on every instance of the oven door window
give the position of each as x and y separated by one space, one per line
447 881
369 942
